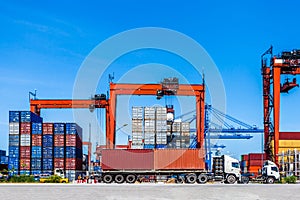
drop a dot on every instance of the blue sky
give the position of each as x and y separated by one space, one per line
43 44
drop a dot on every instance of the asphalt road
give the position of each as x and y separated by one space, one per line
148 191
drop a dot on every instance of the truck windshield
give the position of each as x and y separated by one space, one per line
235 165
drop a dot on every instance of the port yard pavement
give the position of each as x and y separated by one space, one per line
148 191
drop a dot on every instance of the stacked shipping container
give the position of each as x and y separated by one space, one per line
161 127
73 150
48 137
137 128
252 162
36 147
14 142
149 127
59 146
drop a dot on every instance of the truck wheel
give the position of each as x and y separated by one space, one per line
130 178
119 178
191 178
107 178
270 180
231 179
202 178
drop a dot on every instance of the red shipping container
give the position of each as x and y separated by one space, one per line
245 157
255 163
25 152
59 163
73 164
25 128
71 140
36 140
47 128
257 156
289 135
59 140
129 159
25 164
179 159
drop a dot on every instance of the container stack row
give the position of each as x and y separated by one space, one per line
40 148
22 125
252 163
150 129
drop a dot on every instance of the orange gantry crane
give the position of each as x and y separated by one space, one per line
288 63
159 90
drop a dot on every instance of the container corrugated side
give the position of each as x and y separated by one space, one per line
36 164
13 163
133 159
59 140
59 152
179 159
25 164
14 128
25 152
25 140
13 140
48 128
36 128
14 151
48 164
59 128
289 135
73 164
289 144
36 152
27 116
36 140
48 152
47 140
59 163
257 156
14 116
25 128
73 128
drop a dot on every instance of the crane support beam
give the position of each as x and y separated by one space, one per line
151 89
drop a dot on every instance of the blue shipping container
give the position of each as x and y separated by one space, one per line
36 172
59 128
59 152
14 116
13 152
47 140
161 146
149 146
47 152
73 128
13 163
27 116
2 153
13 173
36 152
36 163
4 160
13 140
36 128
73 152
25 172
47 164
48 172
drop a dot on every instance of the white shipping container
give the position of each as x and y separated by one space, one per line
137 112
137 125
185 127
25 140
14 128
176 127
149 113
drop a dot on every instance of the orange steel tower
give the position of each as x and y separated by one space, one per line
288 63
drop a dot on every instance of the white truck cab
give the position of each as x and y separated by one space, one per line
232 169
270 172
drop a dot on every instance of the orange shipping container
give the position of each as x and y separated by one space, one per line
178 159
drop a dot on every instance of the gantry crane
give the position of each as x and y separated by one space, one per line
272 67
165 88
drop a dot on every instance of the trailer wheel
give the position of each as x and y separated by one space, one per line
245 180
202 178
107 178
270 180
180 180
191 178
119 178
231 179
130 178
